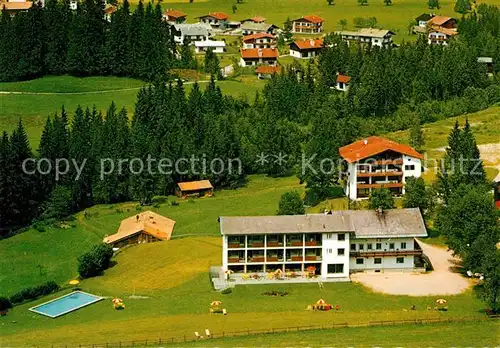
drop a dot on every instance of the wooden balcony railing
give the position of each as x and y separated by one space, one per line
235 245
388 185
235 260
313 258
313 243
256 244
375 253
384 173
256 259
274 244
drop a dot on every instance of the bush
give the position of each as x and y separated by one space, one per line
315 195
95 261
291 204
33 293
5 304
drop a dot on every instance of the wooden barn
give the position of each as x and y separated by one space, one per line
200 188
145 227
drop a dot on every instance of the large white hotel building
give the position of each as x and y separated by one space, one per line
334 244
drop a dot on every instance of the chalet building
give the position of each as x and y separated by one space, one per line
440 36
256 19
108 11
259 40
259 56
376 162
216 20
423 19
443 22
343 82
12 7
308 48
308 25
174 16
267 71
200 188
215 46
145 227
250 28
369 36
332 245
192 32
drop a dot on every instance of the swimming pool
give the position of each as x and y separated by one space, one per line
65 304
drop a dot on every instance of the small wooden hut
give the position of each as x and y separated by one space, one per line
200 188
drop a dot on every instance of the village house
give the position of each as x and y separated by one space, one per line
174 16
256 19
216 20
342 83
423 19
440 36
15 6
376 162
200 188
250 28
108 12
216 46
257 56
332 245
192 32
267 71
145 227
443 22
308 25
259 40
308 48
370 36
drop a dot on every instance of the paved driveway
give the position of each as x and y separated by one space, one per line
442 281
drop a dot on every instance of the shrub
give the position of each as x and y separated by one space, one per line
33 293
5 304
315 195
226 291
291 204
95 261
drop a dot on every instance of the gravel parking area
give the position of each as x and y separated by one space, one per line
442 281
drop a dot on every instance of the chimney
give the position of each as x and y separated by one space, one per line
365 141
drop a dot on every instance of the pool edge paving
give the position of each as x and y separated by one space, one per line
95 299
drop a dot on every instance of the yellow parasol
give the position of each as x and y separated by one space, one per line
441 301
278 271
215 303
229 271
321 301
74 282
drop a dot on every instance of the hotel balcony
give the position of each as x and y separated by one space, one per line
274 256
362 174
235 242
379 185
274 241
294 255
294 240
256 256
236 257
255 242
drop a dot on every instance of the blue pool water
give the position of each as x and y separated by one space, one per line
66 304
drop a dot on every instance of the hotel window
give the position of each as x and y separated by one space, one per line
410 167
359 261
329 251
391 245
336 268
353 247
361 247
378 246
340 251
369 246
341 236
403 245
329 236
400 260
377 261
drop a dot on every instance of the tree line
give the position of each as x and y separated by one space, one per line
56 40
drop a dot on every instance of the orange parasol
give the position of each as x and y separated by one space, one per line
215 303
321 301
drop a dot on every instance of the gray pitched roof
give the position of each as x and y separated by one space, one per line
364 223
368 32
191 29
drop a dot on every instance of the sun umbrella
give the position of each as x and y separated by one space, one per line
229 271
278 271
311 269
441 301
215 303
74 282
321 301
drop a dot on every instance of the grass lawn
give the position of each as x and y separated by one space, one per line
45 96
395 17
33 257
430 335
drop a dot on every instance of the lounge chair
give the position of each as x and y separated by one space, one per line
198 335
207 333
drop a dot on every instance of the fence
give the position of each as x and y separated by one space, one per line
224 334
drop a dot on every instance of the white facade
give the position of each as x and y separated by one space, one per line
438 38
304 54
373 37
342 86
382 254
216 46
335 251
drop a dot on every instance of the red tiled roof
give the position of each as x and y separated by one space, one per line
110 9
258 19
259 53
343 78
372 146
257 36
218 15
267 69
439 20
312 19
175 14
309 44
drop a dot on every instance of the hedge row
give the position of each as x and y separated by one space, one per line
34 292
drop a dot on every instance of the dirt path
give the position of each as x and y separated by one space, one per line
442 281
